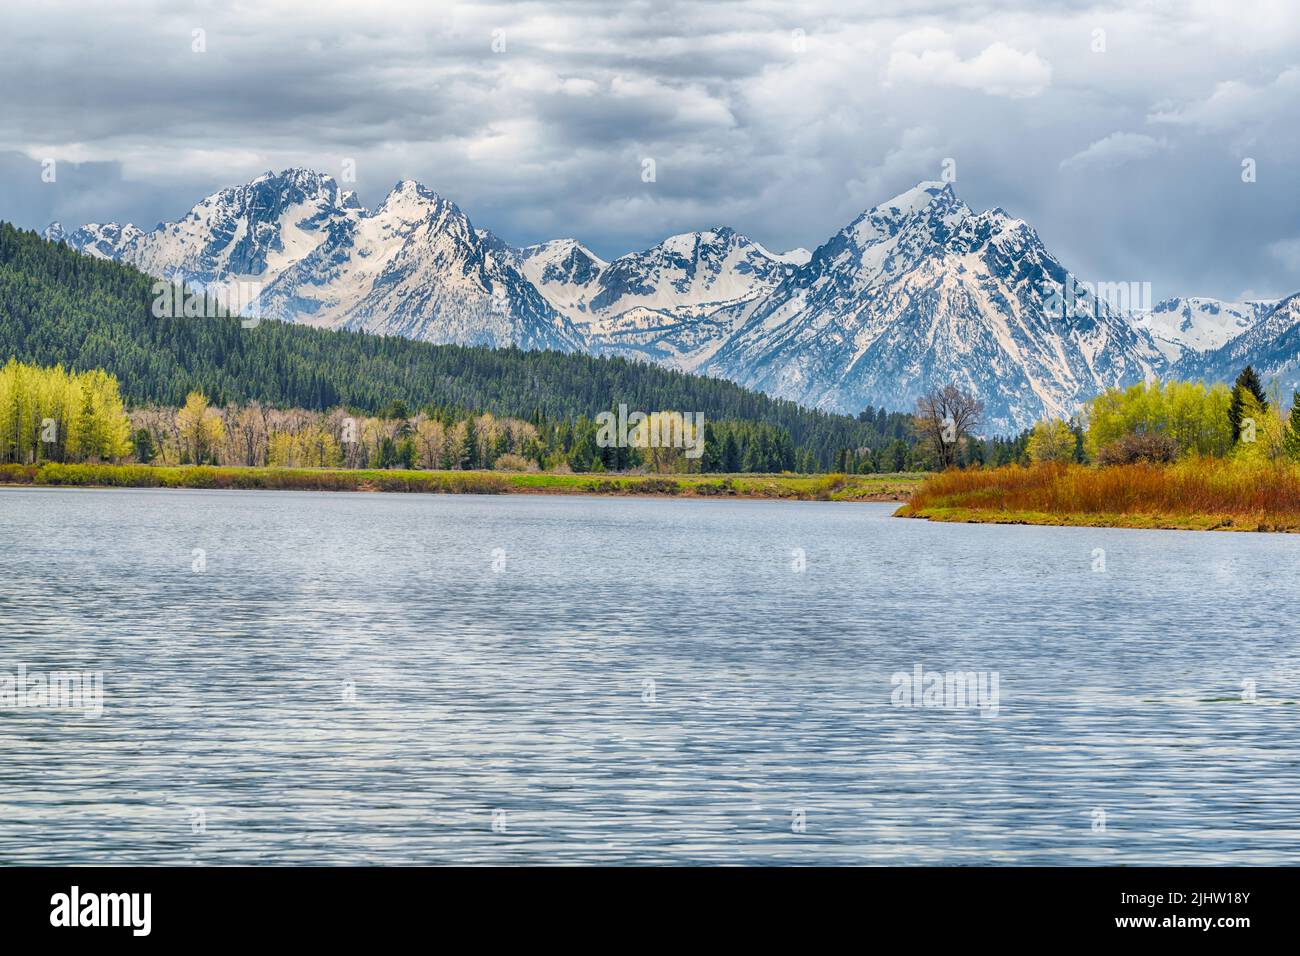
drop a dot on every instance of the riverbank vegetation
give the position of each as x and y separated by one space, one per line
49 415
1195 493
832 487
58 307
1167 455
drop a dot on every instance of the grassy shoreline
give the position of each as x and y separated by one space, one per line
787 487
1151 522
1195 495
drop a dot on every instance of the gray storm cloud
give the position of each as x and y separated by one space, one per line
1118 130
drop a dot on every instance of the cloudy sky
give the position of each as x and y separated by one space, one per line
1118 129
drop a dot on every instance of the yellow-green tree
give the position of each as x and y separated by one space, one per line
319 449
49 414
663 438
1193 415
1051 440
201 428
1262 431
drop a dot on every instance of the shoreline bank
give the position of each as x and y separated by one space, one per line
834 487
1204 494
1151 522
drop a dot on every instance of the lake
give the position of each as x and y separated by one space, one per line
315 678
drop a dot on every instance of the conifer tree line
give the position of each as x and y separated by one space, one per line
58 307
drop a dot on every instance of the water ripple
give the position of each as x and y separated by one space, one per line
347 679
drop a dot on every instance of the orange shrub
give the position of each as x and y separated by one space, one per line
1196 486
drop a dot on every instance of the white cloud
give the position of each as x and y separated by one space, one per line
784 135
921 40
999 70
1234 103
1115 150
1287 252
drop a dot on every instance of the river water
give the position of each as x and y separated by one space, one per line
408 679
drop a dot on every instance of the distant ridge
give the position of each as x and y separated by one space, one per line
917 292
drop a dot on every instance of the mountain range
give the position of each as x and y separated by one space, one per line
916 292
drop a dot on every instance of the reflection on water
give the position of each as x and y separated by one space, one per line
361 679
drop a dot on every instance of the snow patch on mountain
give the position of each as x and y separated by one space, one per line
1197 324
1271 345
915 293
796 257
416 267
673 303
921 292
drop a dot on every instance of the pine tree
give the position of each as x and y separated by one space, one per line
144 450
468 457
1247 381
711 457
730 454
898 455
1291 437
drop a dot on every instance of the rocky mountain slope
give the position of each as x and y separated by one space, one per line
920 291
309 252
1271 345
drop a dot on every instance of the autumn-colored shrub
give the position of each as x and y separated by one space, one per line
1194 486
1133 448
18 474
509 462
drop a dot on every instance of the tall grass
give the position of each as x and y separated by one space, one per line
278 479
1259 494
804 487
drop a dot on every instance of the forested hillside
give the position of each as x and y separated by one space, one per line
60 307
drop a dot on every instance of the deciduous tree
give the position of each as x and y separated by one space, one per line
944 417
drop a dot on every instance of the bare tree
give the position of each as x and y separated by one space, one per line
246 435
944 417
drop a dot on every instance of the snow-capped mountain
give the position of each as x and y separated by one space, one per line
416 267
102 241
248 233
915 293
921 292
1195 324
674 303
565 271
1271 345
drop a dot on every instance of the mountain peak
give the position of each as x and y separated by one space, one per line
293 174
410 201
412 187
917 198
685 243
553 249
920 291
926 211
